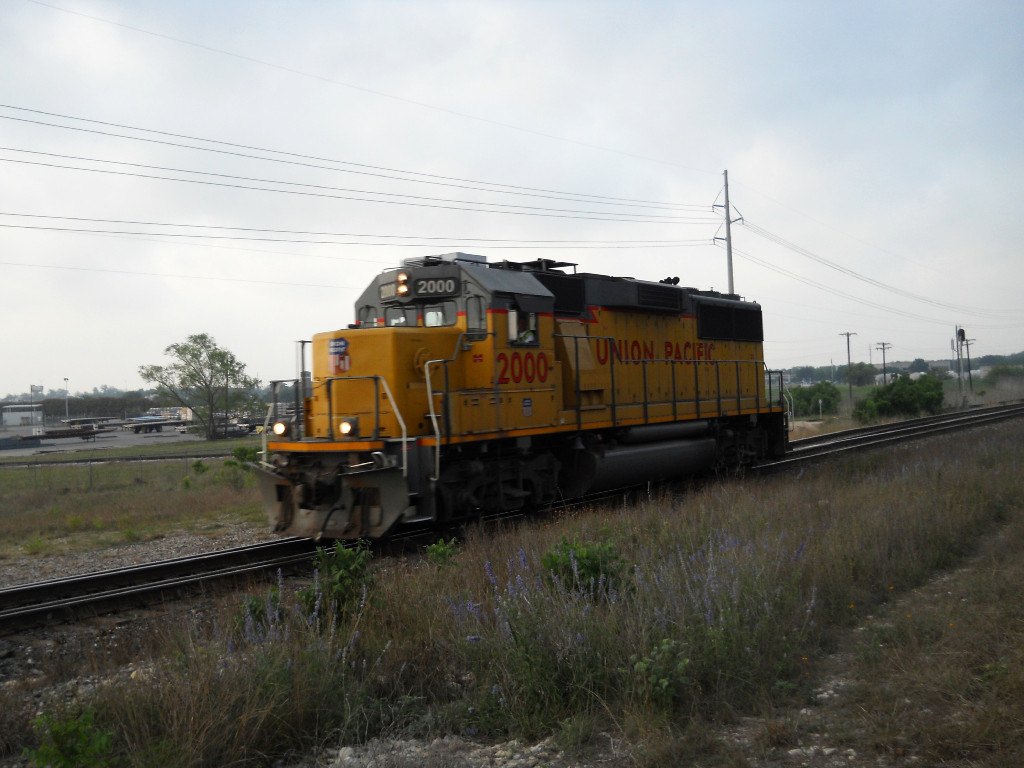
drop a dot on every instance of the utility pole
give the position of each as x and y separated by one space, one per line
961 336
849 367
970 378
728 232
885 374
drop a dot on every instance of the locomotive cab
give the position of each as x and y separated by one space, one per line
443 352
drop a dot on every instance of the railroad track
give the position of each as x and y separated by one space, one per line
65 458
44 602
100 592
835 443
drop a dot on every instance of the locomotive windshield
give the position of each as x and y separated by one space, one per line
412 297
433 314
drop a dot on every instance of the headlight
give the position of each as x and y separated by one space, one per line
349 427
403 287
280 428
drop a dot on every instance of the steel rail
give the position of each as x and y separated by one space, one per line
26 605
905 423
64 458
836 443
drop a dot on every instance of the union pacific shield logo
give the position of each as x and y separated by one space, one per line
338 359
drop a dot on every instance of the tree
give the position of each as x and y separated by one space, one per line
203 377
802 373
860 373
902 397
805 399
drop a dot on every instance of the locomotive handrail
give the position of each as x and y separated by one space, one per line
377 380
675 401
770 375
430 401
272 411
696 399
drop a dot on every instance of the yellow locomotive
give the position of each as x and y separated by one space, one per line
467 387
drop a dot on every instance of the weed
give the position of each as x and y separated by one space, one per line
74 742
661 677
583 564
647 622
342 579
441 553
246 454
36 545
233 474
199 467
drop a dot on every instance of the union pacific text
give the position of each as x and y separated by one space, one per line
636 351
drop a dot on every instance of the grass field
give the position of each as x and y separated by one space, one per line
47 508
657 622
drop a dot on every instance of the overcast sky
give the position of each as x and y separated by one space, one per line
874 150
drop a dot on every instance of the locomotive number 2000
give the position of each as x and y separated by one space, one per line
526 367
439 287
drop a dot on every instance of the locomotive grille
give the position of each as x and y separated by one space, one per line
658 297
723 322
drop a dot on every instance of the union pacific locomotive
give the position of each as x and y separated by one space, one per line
466 387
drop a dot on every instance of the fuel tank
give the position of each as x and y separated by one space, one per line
602 469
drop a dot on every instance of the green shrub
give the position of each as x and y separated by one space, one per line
902 397
582 564
74 742
342 580
805 399
259 611
661 677
441 553
246 454
1004 372
234 474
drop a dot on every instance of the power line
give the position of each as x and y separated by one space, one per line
357 168
454 242
778 240
835 291
490 241
409 200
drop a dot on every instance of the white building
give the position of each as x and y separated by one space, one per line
23 415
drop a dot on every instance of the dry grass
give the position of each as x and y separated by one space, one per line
940 671
48 509
701 608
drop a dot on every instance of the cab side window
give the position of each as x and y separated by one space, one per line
368 315
522 328
399 316
436 315
476 317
